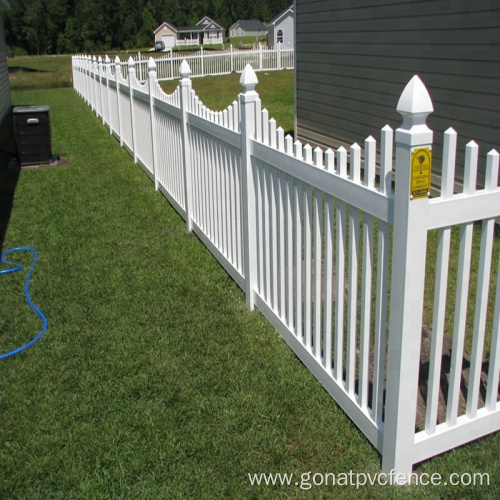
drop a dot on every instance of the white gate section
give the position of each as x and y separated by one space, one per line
333 256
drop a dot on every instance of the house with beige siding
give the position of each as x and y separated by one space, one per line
354 59
281 29
205 32
5 99
251 27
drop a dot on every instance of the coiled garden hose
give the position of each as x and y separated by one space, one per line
18 267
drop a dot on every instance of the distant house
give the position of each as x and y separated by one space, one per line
281 29
205 32
251 27
5 99
353 62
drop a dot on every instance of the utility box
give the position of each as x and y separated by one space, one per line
32 133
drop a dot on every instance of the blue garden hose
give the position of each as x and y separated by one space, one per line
18 267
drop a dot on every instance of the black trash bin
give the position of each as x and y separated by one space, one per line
32 133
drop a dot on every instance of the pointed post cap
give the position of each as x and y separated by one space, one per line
117 60
107 60
248 78
185 70
131 62
151 64
415 104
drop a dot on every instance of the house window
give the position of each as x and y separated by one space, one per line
212 35
279 37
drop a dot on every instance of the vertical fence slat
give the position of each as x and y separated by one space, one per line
340 244
386 160
289 252
442 266
352 298
298 201
273 235
366 302
318 271
464 263
482 294
494 369
282 242
307 265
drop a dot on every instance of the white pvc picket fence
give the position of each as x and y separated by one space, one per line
333 256
203 62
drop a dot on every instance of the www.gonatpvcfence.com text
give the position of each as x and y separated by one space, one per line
308 480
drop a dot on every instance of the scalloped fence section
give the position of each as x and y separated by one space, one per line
336 249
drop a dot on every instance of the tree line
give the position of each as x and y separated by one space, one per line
85 26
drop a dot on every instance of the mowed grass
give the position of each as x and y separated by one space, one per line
40 72
153 379
275 88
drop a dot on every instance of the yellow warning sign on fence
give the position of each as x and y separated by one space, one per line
421 163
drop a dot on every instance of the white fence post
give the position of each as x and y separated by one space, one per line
248 104
107 69
139 65
413 165
101 93
94 84
152 79
118 72
185 94
88 74
131 78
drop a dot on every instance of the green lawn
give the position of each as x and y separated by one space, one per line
275 88
40 72
153 379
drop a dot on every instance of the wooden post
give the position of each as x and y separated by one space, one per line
407 283
248 103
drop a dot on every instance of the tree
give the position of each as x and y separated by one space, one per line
50 26
145 37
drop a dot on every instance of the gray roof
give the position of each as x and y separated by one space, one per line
250 25
209 25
